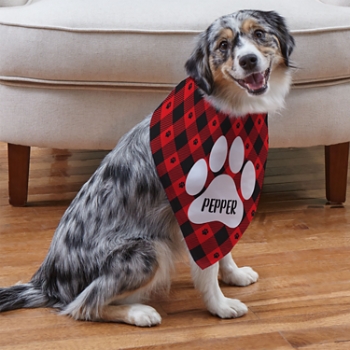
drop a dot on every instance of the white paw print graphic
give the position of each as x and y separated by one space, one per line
220 201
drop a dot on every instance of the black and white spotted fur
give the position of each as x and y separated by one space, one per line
117 242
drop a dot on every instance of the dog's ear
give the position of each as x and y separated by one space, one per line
197 66
280 29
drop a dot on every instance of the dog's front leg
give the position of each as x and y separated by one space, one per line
206 281
237 276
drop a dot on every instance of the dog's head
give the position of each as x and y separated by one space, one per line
241 62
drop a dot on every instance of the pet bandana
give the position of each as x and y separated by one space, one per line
211 166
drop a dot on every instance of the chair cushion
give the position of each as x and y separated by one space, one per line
146 43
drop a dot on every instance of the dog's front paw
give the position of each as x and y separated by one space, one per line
242 277
143 316
228 308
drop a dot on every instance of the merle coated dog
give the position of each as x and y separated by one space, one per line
117 242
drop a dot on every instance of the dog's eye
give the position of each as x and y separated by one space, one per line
259 34
223 45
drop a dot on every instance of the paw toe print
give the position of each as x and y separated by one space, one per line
220 201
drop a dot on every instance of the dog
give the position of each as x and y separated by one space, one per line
117 242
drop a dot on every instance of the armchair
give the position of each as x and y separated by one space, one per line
79 73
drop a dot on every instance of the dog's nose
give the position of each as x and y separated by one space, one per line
248 62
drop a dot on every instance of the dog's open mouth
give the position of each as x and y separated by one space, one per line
256 83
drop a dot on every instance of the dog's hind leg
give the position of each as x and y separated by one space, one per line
135 314
130 270
206 281
237 276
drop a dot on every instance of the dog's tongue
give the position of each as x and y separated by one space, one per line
255 81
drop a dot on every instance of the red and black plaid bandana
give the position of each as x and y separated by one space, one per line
212 168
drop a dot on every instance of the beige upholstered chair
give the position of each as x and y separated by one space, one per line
80 73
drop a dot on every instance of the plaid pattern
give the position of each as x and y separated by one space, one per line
183 130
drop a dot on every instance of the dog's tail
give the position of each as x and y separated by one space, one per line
22 296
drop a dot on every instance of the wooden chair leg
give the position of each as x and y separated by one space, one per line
336 171
18 162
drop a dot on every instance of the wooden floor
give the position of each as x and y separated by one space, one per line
299 245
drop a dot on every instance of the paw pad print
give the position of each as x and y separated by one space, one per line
220 201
